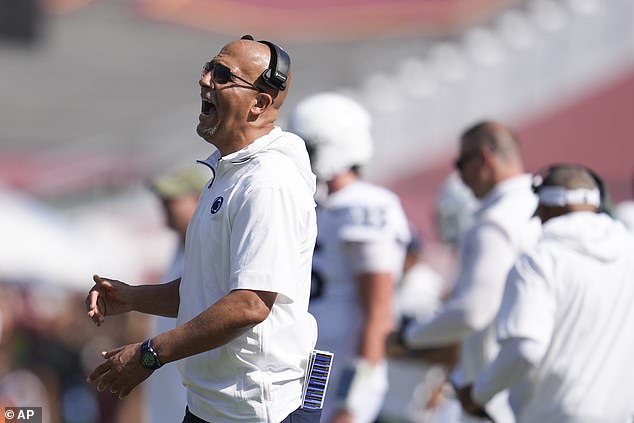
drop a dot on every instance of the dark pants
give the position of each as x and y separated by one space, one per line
300 415
303 415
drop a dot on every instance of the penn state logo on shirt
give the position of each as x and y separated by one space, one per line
216 205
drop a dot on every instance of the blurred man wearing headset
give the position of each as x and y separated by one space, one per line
566 325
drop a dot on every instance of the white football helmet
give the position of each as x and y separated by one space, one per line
337 132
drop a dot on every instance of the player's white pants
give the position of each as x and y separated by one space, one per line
364 403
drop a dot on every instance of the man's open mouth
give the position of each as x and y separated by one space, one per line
207 107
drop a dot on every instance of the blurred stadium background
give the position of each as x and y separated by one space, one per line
99 96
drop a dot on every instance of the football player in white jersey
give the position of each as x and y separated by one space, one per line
362 235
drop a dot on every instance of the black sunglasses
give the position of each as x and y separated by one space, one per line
461 162
222 74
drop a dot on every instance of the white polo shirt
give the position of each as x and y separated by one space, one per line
254 228
568 322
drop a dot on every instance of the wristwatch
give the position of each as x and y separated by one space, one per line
149 358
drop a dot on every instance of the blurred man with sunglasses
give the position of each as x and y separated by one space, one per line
490 164
243 334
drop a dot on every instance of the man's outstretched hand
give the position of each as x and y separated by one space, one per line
121 372
107 298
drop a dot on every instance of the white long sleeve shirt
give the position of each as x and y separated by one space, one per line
571 299
476 291
502 227
516 358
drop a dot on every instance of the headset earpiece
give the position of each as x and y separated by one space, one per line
276 75
603 193
544 173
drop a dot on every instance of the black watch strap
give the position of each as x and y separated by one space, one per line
149 358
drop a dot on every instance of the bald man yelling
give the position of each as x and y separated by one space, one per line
243 332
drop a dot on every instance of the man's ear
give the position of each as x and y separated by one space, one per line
262 102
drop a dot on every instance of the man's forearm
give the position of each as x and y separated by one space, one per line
446 328
160 300
224 321
372 341
447 355
376 293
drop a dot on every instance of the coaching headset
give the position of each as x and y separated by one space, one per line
276 74
544 174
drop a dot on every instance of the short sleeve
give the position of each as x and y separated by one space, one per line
374 223
374 237
266 242
377 256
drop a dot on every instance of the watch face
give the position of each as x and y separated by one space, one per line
147 359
